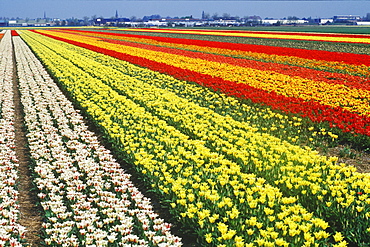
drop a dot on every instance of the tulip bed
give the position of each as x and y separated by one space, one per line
315 59
358 48
322 60
88 200
333 37
209 155
338 99
11 232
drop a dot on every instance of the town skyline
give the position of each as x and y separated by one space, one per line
173 8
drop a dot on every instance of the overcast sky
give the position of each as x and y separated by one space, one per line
128 8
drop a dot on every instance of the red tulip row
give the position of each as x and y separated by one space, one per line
14 33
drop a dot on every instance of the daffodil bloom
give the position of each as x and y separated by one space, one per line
338 237
208 237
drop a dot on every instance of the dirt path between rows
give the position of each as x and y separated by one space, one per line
29 213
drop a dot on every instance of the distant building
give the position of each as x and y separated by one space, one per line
3 23
30 23
151 17
363 23
224 22
283 22
323 21
350 19
12 23
255 19
182 22
110 21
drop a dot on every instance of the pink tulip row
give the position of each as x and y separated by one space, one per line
87 197
11 232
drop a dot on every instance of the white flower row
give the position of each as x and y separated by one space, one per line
87 198
11 232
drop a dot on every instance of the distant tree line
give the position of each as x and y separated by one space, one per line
87 21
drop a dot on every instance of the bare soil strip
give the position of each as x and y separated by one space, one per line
349 156
29 213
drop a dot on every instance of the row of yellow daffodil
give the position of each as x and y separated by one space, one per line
361 70
152 151
88 199
11 232
334 95
269 35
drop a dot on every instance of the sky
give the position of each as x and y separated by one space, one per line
177 8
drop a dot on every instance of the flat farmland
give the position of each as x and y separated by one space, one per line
241 138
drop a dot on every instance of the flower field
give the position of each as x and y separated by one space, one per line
337 95
268 35
87 198
225 133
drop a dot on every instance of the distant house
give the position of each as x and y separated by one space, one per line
363 23
27 23
184 22
283 22
156 23
350 19
12 23
254 20
323 21
3 23
224 22
110 21
38 23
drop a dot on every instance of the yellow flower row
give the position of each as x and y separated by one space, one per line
335 95
361 70
231 207
251 34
